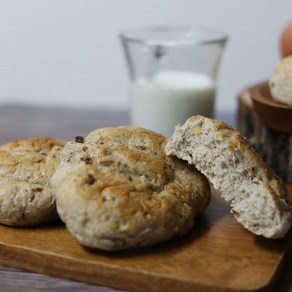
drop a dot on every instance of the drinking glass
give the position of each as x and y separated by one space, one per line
173 72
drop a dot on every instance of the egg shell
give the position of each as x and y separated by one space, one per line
286 40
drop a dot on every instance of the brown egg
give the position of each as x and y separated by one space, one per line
286 40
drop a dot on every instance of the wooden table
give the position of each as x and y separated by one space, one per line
20 122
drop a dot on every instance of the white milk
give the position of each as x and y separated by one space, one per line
168 98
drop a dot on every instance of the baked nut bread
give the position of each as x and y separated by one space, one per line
26 167
258 197
281 82
117 189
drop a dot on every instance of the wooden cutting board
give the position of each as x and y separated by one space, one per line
218 254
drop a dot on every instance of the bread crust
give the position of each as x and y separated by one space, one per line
116 189
26 167
233 167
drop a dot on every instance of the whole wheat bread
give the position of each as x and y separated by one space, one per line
258 197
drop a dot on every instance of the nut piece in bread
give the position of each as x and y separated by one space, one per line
281 82
116 189
257 196
26 167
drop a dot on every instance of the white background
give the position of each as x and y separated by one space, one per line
67 52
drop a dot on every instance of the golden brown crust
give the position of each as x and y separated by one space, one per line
26 167
118 189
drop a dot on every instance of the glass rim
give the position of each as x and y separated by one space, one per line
182 35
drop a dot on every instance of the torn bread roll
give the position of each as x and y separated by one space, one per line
257 196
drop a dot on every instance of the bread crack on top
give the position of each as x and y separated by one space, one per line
258 197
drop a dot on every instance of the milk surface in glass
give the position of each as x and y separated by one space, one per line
168 98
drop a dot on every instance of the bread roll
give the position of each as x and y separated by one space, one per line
26 167
117 189
258 197
281 82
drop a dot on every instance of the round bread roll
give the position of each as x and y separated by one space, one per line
26 167
281 82
258 197
116 189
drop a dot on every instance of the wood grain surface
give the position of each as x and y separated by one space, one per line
218 254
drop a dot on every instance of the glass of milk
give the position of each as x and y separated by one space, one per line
173 72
